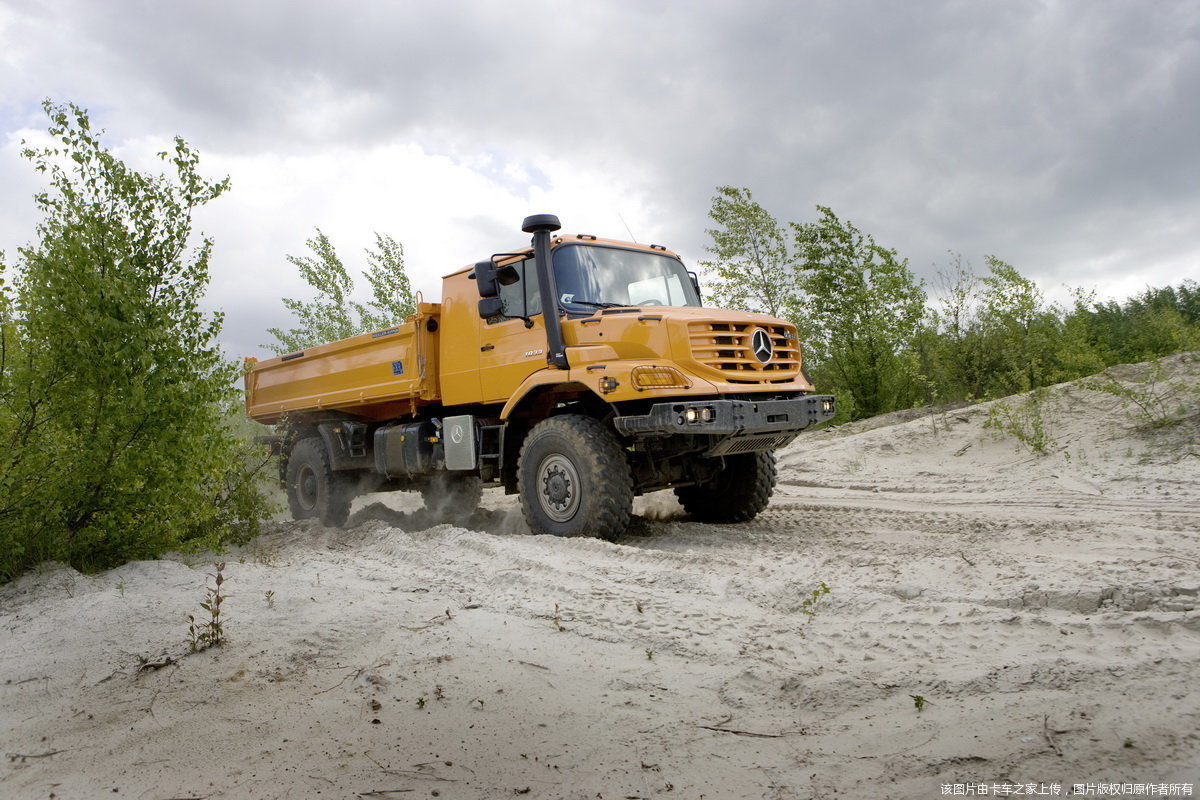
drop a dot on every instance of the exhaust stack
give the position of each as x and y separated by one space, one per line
541 226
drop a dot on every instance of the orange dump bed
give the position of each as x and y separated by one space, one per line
374 376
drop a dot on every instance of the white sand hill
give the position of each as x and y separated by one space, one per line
1044 610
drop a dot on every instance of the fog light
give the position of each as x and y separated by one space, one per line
707 414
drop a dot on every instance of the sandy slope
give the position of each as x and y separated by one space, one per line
1045 608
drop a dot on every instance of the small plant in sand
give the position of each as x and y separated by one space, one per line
557 619
940 422
1157 402
269 596
810 605
1023 421
918 702
210 631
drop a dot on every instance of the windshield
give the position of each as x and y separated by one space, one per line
589 277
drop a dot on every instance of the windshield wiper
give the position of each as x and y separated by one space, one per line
599 305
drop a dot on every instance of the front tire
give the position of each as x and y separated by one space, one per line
574 479
315 491
738 492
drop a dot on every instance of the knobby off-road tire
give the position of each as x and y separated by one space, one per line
741 490
574 479
452 495
315 491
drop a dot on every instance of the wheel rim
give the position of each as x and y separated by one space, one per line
558 487
306 488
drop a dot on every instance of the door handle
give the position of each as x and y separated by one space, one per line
487 347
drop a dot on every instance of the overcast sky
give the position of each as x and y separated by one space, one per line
1062 137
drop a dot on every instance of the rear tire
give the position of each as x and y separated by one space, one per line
741 490
315 491
574 479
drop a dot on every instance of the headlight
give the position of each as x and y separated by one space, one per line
648 377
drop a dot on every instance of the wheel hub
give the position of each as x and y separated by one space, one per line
558 488
307 488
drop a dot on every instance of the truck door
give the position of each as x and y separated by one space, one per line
509 352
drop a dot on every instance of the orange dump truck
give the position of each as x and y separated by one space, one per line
629 386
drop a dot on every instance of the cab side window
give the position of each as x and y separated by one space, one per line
512 296
521 299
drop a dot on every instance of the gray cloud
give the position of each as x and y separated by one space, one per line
1059 136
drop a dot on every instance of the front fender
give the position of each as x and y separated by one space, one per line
609 380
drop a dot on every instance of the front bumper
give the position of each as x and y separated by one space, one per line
732 426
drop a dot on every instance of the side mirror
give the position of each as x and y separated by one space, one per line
491 307
485 280
696 285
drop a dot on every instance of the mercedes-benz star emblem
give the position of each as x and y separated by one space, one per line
760 343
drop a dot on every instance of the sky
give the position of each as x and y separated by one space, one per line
1060 137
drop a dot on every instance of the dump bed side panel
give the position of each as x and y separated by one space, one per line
376 376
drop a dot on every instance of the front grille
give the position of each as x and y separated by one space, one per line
726 348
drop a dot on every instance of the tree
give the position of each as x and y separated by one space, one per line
949 345
391 291
754 269
333 314
1024 336
112 385
1153 323
859 312
996 335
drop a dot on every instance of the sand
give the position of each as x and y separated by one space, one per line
993 617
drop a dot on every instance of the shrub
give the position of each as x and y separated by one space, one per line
112 385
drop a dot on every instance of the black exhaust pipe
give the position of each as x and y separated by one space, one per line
541 226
